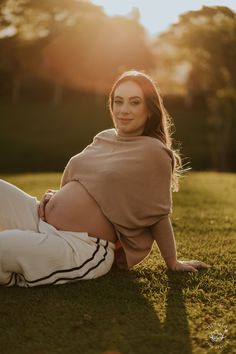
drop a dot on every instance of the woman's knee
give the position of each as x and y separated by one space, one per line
6 188
3 184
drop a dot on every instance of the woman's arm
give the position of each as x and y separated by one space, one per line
163 234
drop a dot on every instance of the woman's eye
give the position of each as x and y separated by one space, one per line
134 103
118 102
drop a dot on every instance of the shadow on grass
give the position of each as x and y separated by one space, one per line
92 317
176 330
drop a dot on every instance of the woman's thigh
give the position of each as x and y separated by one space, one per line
29 258
18 210
32 256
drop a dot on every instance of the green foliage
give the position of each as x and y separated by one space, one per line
148 310
202 38
206 40
34 20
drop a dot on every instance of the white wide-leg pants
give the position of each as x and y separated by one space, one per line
33 252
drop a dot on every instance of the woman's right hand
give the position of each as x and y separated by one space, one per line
45 199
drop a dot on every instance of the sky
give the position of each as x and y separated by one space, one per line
157 15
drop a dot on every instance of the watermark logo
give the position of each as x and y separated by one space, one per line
217 335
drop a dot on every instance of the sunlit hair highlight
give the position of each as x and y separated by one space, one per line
159 124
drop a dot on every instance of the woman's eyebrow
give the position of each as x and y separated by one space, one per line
129 97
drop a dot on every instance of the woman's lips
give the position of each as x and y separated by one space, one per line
125 119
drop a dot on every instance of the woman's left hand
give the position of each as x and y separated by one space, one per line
42 204
189 266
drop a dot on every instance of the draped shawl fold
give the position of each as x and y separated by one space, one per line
130 179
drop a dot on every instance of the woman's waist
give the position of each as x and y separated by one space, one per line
45 227
81 222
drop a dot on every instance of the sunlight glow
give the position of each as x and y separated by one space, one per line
9 31
157 15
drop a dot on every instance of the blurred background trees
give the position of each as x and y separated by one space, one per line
71 42
59 59
203 45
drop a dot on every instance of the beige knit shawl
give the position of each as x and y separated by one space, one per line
130 179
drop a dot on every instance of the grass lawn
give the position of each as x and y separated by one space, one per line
148 310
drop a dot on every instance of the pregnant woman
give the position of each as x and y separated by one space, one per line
114 200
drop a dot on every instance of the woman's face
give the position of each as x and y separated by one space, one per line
129 109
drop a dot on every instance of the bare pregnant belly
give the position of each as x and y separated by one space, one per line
73 209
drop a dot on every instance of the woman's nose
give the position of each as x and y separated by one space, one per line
125 108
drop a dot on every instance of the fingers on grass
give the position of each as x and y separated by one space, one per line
199 264
191 269
205 265
202 265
